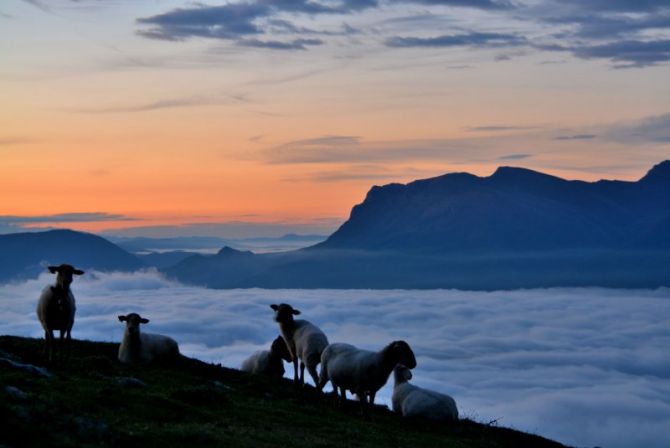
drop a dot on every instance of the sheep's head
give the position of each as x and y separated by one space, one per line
402 374
403 354
133 321
279 348
284 312
64 274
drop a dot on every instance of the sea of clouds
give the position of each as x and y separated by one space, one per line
584 366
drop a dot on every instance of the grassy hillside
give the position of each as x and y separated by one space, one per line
92 401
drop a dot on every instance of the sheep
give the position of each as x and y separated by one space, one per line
413 401
362 372
144 348
305 341
56 308
268 362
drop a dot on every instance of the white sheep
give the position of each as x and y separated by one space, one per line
362 372
305 341
413 401
137 347
56 308
268 362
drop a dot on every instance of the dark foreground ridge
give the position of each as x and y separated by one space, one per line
95 401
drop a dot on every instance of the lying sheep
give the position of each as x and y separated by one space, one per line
268 362
305 341
56 308
139 347
413 401
362 372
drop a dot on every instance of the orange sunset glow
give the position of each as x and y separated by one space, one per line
104 111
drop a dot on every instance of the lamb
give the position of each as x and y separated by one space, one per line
305 341
56 308
362 372
413 401
268 362
142 348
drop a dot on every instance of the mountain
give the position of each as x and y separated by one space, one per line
517 228
514 209
28 254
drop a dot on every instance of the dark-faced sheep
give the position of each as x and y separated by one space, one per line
268 362
141 348
362 372
56 309
305 341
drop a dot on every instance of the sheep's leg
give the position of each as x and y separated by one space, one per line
372 398
364 403
323 380
69 343
52 345
313 374
47 344
295 371
61 343
336 395
302 373
343 393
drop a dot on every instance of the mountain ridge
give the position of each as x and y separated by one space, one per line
27 254
463 211
517 228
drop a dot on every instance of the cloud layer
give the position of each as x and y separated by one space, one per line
584 366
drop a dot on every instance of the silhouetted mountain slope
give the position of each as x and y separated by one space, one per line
513 209
95 401
27 254
514 229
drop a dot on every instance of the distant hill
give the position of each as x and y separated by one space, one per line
187 243
204 244
28 254
514 229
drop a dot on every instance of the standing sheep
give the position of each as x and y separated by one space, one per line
56 308
413 401
143 348
268 362
362 372
305 341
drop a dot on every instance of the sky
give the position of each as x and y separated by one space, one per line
167 116
567 364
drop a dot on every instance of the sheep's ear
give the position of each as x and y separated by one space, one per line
296 312
144 321
78 272
122 318
53 269
274 307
